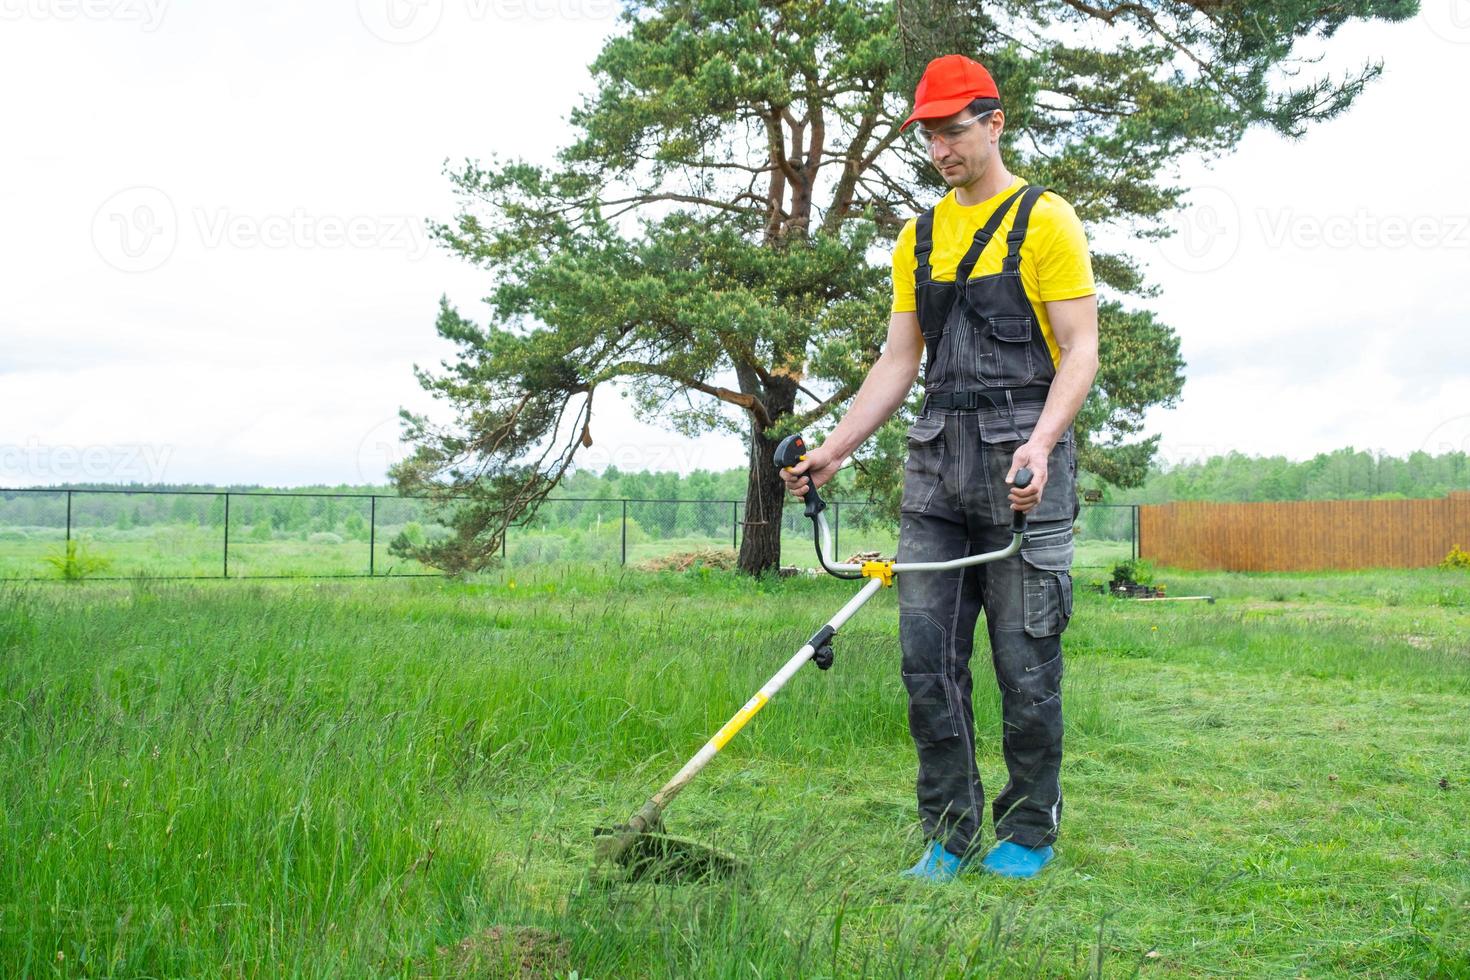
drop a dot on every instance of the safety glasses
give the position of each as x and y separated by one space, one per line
948 135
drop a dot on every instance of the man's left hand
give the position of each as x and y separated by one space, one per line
1033 457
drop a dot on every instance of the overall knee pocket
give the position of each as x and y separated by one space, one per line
932 716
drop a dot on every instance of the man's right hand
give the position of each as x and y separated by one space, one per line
819 462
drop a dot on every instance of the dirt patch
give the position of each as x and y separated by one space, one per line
683 561
508 951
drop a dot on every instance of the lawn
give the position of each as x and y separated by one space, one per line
400 777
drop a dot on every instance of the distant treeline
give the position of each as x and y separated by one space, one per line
1344 474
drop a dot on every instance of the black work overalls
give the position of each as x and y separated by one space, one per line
987 371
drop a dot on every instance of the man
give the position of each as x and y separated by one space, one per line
995 283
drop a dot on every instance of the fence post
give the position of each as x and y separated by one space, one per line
227 534
735 524
68 517
625 531
372 532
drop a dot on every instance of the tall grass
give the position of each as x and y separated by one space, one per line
401 778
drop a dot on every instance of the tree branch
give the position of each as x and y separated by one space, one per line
749 402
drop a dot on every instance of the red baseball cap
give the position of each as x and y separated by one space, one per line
949 84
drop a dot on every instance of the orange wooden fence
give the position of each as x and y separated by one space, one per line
1308 535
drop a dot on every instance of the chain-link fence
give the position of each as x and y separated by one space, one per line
114 534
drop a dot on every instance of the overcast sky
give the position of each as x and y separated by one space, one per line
215 269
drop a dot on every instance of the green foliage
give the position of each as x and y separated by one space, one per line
1457 558
732 186
74 563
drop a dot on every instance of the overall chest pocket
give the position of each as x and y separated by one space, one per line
1004 352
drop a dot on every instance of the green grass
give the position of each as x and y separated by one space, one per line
347 778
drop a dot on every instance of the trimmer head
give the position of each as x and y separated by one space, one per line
660 856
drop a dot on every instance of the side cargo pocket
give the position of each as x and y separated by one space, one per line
1047 581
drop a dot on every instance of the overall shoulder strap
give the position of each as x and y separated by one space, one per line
923 245
983 236
1018 230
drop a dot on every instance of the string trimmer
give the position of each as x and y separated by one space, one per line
640 844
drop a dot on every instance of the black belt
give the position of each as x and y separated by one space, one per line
987 398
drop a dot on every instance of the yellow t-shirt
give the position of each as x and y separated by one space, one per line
1054 260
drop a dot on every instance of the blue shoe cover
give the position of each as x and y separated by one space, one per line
937 865
1014 861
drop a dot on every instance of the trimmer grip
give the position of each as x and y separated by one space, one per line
791 451
1018 518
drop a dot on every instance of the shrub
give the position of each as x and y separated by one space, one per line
260 532
536 547
324 537
1457 558
1133 573
74 564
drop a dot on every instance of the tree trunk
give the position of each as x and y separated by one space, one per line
760 547
765 492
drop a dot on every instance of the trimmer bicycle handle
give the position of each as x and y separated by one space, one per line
792 450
